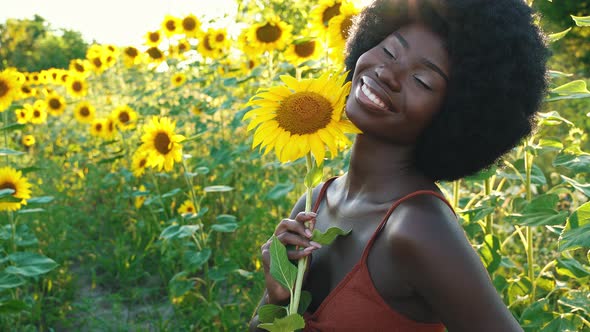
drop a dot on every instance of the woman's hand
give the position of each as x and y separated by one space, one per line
294 233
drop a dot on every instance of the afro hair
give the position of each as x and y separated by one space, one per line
497 79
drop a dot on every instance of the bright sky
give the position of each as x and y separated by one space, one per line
119 22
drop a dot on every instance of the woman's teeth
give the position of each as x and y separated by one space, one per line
372 96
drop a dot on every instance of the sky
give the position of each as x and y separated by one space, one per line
119 22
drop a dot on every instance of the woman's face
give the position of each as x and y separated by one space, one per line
398 85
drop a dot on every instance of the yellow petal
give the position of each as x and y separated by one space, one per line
317 148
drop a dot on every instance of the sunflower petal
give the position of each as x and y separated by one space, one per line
317 148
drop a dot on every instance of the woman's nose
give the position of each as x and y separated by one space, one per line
387 76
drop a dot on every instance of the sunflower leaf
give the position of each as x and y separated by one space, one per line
13 126
281 268
290 323
329 235
9 152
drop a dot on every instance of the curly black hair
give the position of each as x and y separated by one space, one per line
497 79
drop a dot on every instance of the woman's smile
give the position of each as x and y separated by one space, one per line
370 93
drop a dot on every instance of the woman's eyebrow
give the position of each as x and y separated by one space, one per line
424 61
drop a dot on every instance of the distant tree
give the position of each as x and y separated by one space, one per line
32 45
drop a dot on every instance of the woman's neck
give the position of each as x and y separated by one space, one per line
379 170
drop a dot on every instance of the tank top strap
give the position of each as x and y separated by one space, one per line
322 193
390 211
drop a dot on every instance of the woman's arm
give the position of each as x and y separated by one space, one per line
440 263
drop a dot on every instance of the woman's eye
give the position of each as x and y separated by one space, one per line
422 83
389 53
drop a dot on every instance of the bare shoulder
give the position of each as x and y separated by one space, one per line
438 261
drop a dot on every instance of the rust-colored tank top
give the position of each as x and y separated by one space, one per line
355 304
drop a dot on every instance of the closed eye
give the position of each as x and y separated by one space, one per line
422 83
389 53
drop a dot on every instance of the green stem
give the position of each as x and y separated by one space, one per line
456 186
488 219
528 165
155 181
302 263
13 228
5 123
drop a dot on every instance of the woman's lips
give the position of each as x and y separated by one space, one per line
371 94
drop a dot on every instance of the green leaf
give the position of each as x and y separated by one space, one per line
476 214
269 312
552 118
13 126
558 35
314 175
217 189
221 271
195 259
304 302
576 233
9 152
8 281
226 218
579 163
519 290
280 190
180 284
172 192
540 218
490 253
40 200
13 307
225 228
577 86
483 174
581 21
286 324
564 323
281 268
571 268
558 74
583 187
30 264
178 232
576 300
536 315
31 169
537 176
329 235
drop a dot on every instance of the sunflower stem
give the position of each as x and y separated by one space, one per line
155 181
528 166
5 123
302 263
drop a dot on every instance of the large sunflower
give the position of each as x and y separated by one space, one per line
269 35
161 143
9 88
339 27
171 25
13 179
300 117
84 112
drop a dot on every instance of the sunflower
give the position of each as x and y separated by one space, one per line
26 91
80 67
161 143
339 27
269 35
190 25
246 45
141 198
13 179
109 130
23 115
56 104
153 38
10 85
187 208
206 48
218 38
125 117
77 86
39 112
131 56
155 54
84 112
139 162
97 63
171 25
323 13
98 127
304 49
28 140
33 78
178 79
300 117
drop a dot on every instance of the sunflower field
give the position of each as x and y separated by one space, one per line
131 197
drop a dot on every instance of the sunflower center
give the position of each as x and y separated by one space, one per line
79 67
131 52
3 88
304 113
329 13
162 143
345 27
142 163
170 25
84 111
154 37
189 24
54 104
178 79
305 49
24 89
268 33
36 114
97 63
124 117
182 47
98 127
220 37
8 185
77 86
206 44
189 209
154 53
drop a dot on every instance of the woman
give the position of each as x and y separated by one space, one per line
440 90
